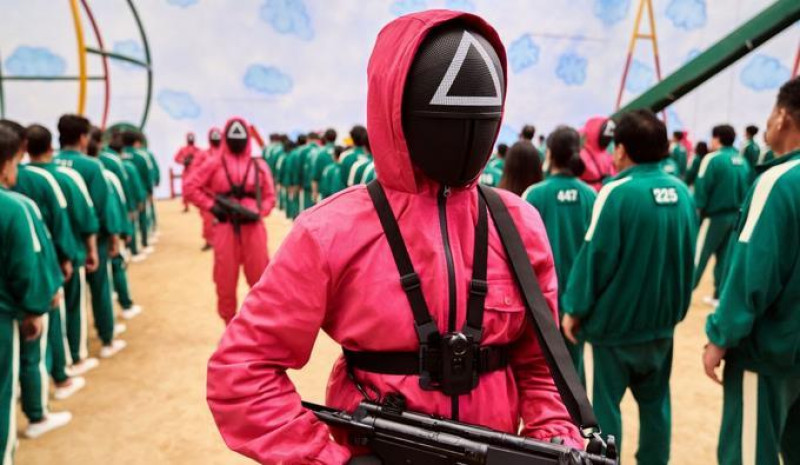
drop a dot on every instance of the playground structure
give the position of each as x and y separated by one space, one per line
636 36
727 51
83 50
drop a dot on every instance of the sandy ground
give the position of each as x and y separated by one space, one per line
147 405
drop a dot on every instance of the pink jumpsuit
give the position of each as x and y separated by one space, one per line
181 157
335 272
232 250
599 163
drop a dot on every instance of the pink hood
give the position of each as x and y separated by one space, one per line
388 68
599 164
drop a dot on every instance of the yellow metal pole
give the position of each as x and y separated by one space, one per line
82 76
636 24
653 28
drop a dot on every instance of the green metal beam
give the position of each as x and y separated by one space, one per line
767 24
118 56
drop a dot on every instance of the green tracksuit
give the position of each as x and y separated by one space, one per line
100 281
722 182
357 170
155 176
670 166
758 321
347 160
751 152
496 162
20 290
291 180
278 176
491 176
84 223
691 173
369 173
41 186
141 161
323 160
307 176
565 204
33 376
630 284
677 153
137 202
331 181
109 216
125 191
766 156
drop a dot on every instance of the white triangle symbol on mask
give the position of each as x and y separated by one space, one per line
237 131
441 97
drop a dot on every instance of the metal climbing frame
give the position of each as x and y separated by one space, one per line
767 24
82 78
637 35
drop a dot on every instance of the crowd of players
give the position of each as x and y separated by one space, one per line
71 221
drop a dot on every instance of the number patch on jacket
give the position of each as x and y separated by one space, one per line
665 195
567 196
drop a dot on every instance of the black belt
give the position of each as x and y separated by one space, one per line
489 358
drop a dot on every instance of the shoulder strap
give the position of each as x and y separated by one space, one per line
409 279
478 286
566 379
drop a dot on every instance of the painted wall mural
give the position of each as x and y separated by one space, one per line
293 65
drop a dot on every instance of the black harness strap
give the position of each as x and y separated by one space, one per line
478 286
409 279
488 359
566 379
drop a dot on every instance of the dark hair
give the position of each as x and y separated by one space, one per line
789 98
95 142
330 135
274 137
701 149
129 138
643 135
313 135
751 130
302 139
725 134
18 129
564 144
71 128
541 138
337 151
115 141
359 135
528 132
9 144
40 140
678 135
522 168
502 149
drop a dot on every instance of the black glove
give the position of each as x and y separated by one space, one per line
219 212
365 460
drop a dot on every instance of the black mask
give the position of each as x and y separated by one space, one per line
236 136
452 104
190 139
215 138
606 135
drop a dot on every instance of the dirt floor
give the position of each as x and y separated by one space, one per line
147 405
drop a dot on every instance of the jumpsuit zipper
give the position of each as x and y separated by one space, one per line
451 277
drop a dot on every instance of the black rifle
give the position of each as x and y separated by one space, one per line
399 437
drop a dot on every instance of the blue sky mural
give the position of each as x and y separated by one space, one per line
403 7
267 80
571 69
764 72
523 53
288 17
611 12
34 61
687 14
182 3
178 104
131 48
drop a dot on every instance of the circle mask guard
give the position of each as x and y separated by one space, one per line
236 136
453 104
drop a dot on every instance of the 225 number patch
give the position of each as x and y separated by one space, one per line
665 195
